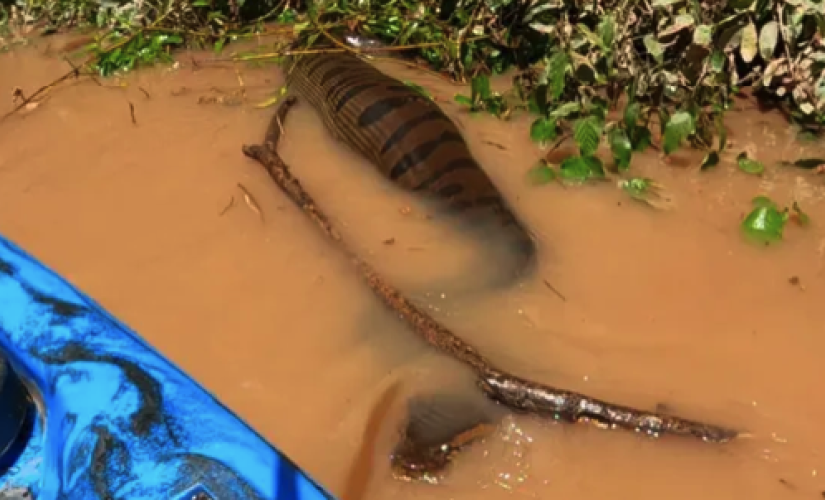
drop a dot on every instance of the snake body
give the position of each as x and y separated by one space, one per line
414 144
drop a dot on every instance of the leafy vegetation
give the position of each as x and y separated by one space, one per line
616 76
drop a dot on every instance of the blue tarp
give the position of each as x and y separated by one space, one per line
122 421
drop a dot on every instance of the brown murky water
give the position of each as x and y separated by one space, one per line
661 307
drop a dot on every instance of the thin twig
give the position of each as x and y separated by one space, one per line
250 201
228 206
132 112
551 287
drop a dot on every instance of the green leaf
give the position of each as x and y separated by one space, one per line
463 100
621 148
481 88
642 138
607 30
703 35
578 169
631 114
594 163
768 38
749 166
219 45
654 48
566 109
717 61
539 97
749 42
763 201
765 224
711 160
556 71
574 169
664 3
543 130
587 132
678 128
722 132
541 174
646 191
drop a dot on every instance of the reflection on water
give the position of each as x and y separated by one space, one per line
659 307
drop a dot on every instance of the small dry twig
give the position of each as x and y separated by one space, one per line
228 206
250 201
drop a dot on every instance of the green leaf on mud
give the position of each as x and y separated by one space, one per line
765 224
748 165
748 46
763 201
587 133
678 128
647 191
578 169
463 100
711 160
621 148
541 174
543 130
768 38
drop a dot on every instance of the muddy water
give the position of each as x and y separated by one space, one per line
670 308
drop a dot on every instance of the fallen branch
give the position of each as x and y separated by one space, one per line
509 390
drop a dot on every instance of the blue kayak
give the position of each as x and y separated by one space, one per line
121 421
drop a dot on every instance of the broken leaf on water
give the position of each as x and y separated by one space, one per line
748 165
765 224
646 191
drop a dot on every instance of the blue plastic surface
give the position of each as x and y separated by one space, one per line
122 422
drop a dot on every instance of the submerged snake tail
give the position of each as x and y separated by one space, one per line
510 391
359 475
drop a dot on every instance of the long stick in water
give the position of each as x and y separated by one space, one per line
514 392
